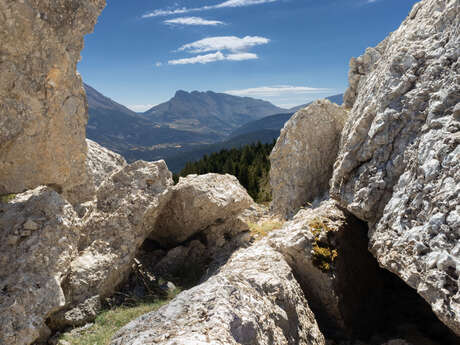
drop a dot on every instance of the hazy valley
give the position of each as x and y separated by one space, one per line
186 127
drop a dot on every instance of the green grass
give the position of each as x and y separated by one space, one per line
108 322
4 199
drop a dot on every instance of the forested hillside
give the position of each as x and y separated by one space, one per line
250 164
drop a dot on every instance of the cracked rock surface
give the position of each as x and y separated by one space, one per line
254 299
43 111
303 158
398 166
39 234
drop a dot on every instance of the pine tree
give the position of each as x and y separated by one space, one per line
250 164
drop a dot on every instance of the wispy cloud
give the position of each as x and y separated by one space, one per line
231 43
225 4
242 56
218 56
202 59
277 91
192 21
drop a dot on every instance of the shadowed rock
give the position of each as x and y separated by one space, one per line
398 167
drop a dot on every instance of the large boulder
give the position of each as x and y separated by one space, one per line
197 203
398 167
100 164
127 208
39 234
254 299
44 112
303 157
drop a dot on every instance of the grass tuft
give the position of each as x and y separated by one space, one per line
4 199
259 231
109 321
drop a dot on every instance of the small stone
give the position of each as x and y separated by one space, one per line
30 225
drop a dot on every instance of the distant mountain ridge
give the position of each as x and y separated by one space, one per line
209 112
190 134
122 130
338 99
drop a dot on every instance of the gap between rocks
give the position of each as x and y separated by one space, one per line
374 305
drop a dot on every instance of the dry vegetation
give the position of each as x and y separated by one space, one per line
323 254
260 230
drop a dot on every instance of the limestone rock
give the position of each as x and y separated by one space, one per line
254 299
398 167
44 112
79 315
100 164
303 157
128 206
327 250
198 202
39 234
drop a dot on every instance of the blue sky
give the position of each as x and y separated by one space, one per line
285 51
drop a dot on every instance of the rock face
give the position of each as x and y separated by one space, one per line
303 157
198 202
128 205
39 234
327 250
100 164
43 113
254 299
398 167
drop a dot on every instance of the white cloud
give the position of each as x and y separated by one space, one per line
242 56
228 3
202 59
193 21
277 91
218 56
158 64
231 43
140 108
242 3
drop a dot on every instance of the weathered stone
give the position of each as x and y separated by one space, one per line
43 110
327 250
254 299
32 270
303 157
79 315
398 166
128 206
198 202
100 164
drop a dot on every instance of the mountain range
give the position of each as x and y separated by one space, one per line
209 112
186 127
